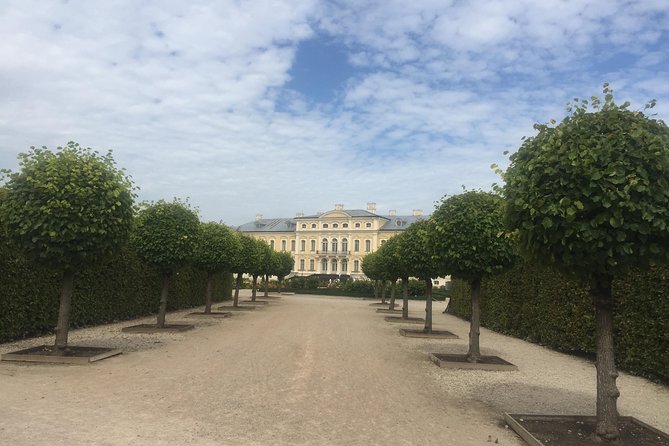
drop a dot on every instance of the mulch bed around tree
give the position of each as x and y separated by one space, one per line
459 361
567 430
71 355
254 302
379 304
153 328
215 314
239 308
435 334
387 311
409 320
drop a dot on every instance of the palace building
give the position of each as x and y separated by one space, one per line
332 243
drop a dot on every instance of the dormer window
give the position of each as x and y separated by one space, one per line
357 225
345 225
368 225
335 225
313 226
304 226
325 226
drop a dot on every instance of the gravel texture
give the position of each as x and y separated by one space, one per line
301 370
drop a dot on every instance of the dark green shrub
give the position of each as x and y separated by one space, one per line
118 288
542 306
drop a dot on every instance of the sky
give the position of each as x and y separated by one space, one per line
277 107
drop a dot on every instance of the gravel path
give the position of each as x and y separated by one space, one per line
303 370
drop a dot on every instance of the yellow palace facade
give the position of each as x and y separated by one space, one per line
332 243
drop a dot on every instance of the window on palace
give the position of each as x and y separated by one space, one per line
357 225
356 245
311 265
356 266
301 264
335 225
283 245
325 226
344 245
368 245
368 225
313 245
303 245
325 245
304 226
271 244
324 265
334 245
292 245
345 225
313 226
334 266
344 266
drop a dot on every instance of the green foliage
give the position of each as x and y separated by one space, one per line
67 207
303 283
417 251
371 266
390 260
591 195
117 287
215 248
283 264
165 233
539 304
468 237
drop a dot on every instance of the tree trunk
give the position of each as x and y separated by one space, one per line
238 284
383 291
280 285
376 290
63 325
163 300
607 391
405 297
266 285
207 306
253 287
428 306
474 353
391 306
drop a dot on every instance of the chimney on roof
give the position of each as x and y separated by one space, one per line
339 207
258 217
392 212
417 212
299 214
371 207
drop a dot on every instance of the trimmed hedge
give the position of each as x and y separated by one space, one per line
542 306
119 288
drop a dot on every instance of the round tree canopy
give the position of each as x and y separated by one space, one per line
215 248
165 232
67 207
469 239
591 195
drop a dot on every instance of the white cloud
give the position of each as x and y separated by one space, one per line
192 98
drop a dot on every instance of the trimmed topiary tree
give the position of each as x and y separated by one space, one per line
283 265
214 252
400 256
591 196
65 209
420 262
371 268
470 242
390 267
164 236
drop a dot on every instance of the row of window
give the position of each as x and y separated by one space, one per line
334 243
333 265
335 225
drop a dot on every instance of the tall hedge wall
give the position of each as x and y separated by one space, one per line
542 306
118 288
